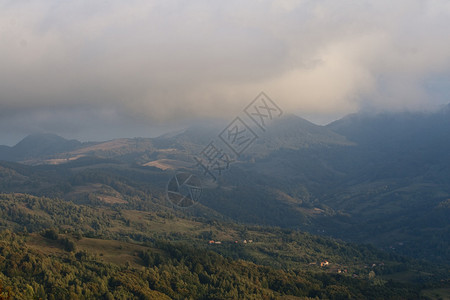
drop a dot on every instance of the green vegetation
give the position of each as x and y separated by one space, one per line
100 215
176 272
123 254
368 179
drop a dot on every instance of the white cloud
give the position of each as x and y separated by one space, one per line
166 60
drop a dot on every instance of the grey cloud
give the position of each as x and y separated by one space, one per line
157 63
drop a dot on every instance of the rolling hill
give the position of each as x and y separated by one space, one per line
56 249
377 179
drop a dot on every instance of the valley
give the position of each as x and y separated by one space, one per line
365 209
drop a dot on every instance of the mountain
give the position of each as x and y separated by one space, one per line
365 179
393 186
379 179
38 146
292 132
422 135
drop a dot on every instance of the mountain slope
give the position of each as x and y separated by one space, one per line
105 252
38 146
366 178
292 132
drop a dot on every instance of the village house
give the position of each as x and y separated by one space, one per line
324 263
211 242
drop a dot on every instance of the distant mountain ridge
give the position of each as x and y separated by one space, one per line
288 132
380 178
38 145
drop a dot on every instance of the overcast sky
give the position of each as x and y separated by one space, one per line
96 70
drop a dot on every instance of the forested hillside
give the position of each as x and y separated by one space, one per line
376 181
58 250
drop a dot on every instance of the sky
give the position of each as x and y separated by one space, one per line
97 70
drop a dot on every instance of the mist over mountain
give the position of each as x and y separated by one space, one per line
364 178
379 179
270 149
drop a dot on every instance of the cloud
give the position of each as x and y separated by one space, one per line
166 62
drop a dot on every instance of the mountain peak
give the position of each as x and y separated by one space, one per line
42 144
40 138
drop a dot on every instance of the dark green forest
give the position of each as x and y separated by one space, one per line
42 257
357 209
